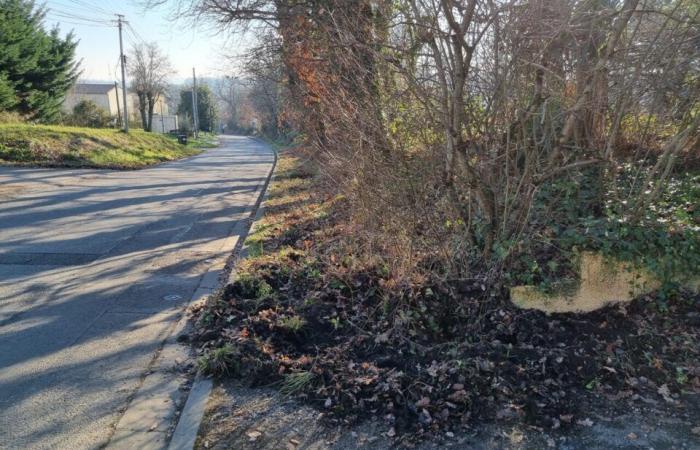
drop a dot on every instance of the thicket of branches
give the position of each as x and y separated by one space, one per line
444 120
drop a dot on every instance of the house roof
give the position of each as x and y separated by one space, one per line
92 88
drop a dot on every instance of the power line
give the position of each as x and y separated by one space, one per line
79 9
82 16
82 24
110 5
76 17
84 5
136 33
131 37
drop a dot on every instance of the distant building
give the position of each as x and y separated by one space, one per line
106 96
164 123
109 97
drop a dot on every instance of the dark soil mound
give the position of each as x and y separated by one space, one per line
430 357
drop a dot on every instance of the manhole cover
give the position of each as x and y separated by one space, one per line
172 297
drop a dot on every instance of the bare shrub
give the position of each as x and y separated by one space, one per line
443 121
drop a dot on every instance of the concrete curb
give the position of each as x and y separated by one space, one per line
185 434
147 422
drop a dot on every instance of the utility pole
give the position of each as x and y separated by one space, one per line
195 112
120 20
119 111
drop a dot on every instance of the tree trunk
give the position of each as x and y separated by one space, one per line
142 109
151 106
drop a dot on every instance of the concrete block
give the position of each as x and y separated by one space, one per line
603 281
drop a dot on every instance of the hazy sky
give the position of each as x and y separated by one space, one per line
99 41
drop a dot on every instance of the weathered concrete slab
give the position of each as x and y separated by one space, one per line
603 281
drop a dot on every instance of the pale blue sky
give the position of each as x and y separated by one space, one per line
98 49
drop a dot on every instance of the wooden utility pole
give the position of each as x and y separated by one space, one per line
195 112
120 20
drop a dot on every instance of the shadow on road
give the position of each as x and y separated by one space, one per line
76 337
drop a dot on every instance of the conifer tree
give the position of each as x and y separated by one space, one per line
37 67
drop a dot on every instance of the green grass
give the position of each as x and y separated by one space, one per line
204 140
54 145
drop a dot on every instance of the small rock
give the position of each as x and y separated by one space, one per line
450 434
585 422
632 436
423 402
328 403
253 435
505 413
391 432
665 392
556 423
458 396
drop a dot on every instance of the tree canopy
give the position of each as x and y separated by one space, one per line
206 106
149 69
37 67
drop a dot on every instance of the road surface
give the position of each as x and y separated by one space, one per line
95 267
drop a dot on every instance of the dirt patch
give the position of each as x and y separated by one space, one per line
260 418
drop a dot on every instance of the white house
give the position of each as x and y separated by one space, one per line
108 96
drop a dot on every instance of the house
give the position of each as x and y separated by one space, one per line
108 96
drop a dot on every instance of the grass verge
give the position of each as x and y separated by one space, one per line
204 140
61 146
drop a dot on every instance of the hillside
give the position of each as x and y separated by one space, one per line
48 145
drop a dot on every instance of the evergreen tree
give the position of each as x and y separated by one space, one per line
37 67
206 107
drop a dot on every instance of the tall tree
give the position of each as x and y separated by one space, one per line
227 91
37 67
206 107
149 70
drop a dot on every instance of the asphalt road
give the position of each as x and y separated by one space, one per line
95 267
